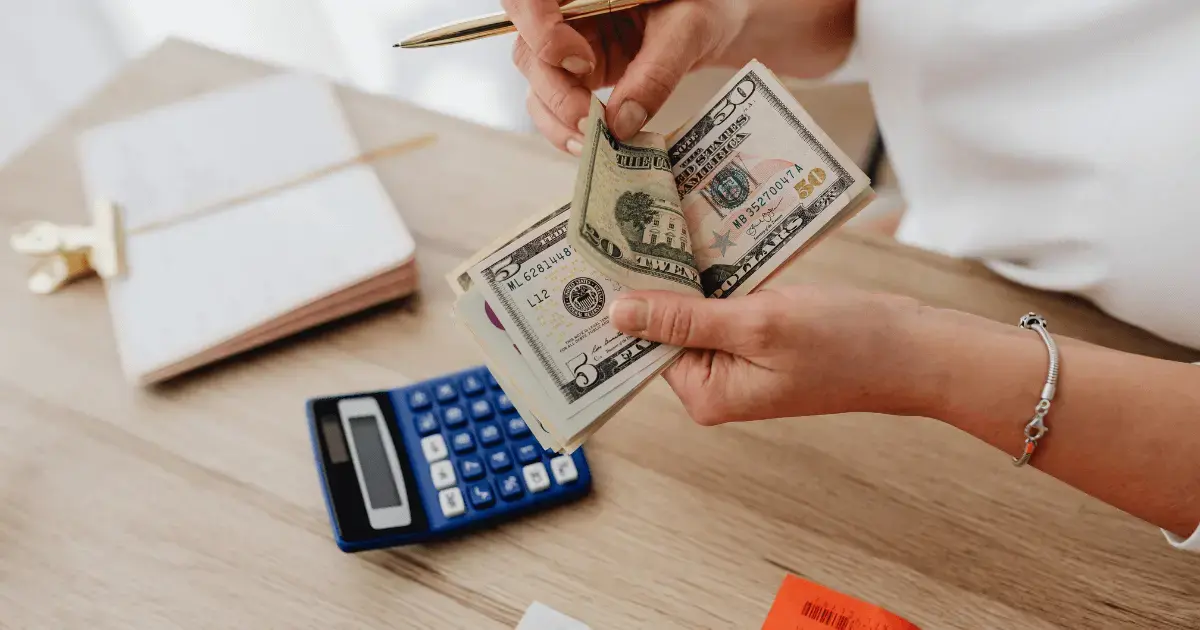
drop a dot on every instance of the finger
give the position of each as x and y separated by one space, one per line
681 320
691 378
541 25
561 136
563 95
676 38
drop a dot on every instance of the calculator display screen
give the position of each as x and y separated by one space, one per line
377 472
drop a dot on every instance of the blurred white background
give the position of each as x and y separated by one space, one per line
53 53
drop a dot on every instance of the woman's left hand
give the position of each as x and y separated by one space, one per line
788 351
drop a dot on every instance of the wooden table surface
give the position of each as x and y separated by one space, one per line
196 504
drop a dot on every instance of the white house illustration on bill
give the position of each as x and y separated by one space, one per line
668 227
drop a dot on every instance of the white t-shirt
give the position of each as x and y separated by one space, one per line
1058 142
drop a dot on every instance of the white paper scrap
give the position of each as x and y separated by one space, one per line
542 617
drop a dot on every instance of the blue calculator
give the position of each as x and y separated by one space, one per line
433 460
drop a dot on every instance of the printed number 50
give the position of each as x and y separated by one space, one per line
804 187
585 373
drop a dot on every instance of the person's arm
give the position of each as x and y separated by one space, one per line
1123 428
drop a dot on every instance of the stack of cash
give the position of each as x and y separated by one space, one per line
713 210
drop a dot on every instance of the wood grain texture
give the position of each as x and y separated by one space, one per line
195 504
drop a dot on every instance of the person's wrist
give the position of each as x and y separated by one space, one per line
955 355
921 363
799 44
728 20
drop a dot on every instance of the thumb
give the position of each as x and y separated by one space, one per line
677 320
676 37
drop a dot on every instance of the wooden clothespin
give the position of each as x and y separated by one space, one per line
66 253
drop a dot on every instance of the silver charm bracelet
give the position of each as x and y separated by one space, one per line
1036 428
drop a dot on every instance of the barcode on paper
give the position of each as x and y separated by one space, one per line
804 605
824 615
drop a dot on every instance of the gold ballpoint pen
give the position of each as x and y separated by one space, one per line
498 23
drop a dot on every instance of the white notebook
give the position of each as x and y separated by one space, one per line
206 278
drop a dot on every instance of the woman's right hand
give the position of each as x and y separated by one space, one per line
642 53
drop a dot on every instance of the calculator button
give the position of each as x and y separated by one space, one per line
481 409
426 424
489 434
445 393
443 474
452 502
454 416
516 427
481 495
472 386
499 460
510 487
470 467
535 477
504 404
492 381
418 400
563 468
528 453
434 448
462 442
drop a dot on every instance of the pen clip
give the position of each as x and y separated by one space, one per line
65 253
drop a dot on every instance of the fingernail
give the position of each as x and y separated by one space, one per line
583 126
630 314
577 66
630 119
575 147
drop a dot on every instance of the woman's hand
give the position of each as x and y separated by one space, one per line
644 52
790 351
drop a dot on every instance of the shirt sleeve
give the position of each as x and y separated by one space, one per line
1192 543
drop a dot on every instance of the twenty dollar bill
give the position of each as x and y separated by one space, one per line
626 217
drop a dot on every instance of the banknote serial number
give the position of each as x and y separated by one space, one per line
528 272
790 179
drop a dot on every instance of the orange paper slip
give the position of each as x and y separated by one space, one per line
802 605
